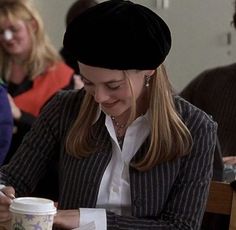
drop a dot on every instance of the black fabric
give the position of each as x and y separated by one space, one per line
69 60
212 221
17 89
118 35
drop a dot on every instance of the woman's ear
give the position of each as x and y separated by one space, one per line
149 72
33 25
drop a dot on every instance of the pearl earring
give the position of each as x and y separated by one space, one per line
7 35
147 79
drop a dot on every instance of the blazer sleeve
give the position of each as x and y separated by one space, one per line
38 148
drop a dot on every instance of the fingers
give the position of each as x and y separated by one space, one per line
5 225
14 109
56 204
8 191
5 216
6 195
229 160
9 97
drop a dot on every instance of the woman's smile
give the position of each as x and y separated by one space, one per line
109 104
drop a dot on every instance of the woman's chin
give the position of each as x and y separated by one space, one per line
116 112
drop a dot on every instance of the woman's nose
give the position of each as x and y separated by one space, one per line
7 35
100 95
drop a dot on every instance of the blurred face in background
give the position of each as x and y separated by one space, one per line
15 37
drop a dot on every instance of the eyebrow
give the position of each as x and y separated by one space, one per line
107 82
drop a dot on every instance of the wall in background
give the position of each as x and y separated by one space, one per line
201 32
53 13
199 29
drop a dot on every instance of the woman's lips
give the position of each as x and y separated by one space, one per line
10 45
109 105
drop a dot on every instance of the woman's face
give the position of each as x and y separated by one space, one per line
110 88
15 37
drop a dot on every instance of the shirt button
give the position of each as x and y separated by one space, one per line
115 189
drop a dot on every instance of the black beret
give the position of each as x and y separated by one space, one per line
119 35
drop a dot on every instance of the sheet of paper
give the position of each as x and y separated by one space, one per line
89 226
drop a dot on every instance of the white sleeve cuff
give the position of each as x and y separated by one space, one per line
2 186
96 215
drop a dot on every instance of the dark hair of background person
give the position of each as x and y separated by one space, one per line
75 9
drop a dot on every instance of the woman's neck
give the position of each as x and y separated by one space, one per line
19 59
142 104
17 73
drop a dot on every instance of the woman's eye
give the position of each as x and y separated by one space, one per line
14 29
113 86
87 83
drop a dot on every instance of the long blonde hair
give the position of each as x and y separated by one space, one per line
169 137
43 54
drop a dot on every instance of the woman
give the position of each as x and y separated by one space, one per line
131 154
6 123
29 64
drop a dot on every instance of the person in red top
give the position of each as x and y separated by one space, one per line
33 71
29 64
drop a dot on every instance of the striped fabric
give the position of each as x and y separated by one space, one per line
170 196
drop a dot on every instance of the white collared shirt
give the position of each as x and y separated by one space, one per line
114 191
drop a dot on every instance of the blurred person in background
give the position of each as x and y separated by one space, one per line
29 64
33 71
214 91
6 123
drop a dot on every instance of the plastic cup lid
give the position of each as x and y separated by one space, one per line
33 205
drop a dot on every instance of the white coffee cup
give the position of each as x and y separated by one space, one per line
32 213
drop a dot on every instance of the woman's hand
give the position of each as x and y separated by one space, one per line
6 196
16 113
230 160
67 219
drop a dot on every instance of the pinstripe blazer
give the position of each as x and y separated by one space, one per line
172 195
